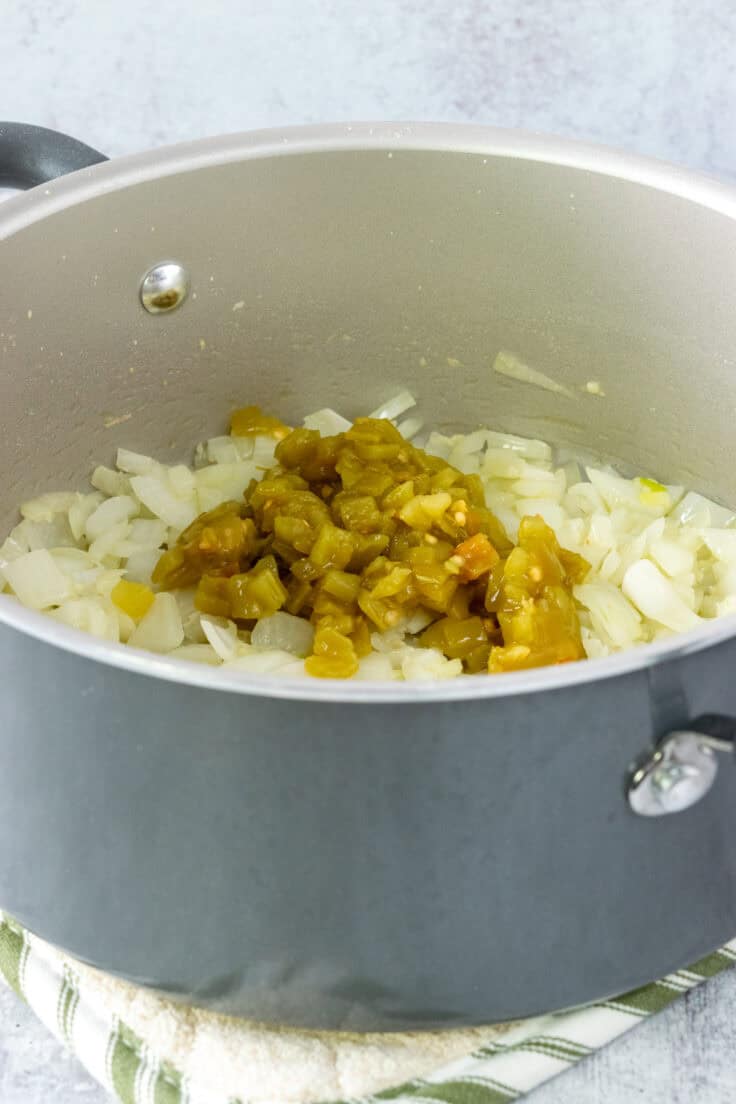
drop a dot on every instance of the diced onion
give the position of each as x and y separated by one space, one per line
112 512
722 543
110 482
136 464
327 422
223 450
613 617
395 407
376 667
661 560
527 447
508 364
37 581
45 534
695 509
163 504
161 629
222 635
410 427
90 615
428 664
284 632
80 510
147 532
139 565
197 653
257 662
228 481
654 595
47 506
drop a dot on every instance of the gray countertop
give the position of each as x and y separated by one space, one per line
658 78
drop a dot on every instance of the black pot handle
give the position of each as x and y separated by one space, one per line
31 155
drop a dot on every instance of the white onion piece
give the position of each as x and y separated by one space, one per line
208 498
673 558
509 364
377 667
439 445
106 579
222 635
695 509
135 463
428 664
74 562
722 543
724 576
593 645
263 452
112 512
527 447
162 503
126 624
80 510
224 450
613 617
90 615
227 480
257 662
107 541
139 565
110 482
617 491
160 630
500 463
285 632
537 483
182 481
147 532
11 549
37 581
197 653
327 422
654 595
410 427
583 498
465 446
47 506
395 406
45 534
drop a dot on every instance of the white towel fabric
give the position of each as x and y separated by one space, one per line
148 1050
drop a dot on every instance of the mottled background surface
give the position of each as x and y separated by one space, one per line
656 77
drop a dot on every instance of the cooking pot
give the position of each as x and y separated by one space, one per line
365 855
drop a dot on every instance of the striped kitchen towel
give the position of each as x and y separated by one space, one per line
146 1050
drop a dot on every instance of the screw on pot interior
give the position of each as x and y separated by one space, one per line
164 287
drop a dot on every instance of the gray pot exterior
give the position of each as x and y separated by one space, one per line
356 866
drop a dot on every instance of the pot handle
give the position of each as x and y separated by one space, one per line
682 767
31 155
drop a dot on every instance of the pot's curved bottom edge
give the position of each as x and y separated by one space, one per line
361 1007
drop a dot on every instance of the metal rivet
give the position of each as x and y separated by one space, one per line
164 287
677 774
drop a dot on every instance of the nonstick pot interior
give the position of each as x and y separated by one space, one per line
335 276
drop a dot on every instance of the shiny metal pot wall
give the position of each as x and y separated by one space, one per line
364 856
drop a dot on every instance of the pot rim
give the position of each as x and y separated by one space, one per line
160 162
44 200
